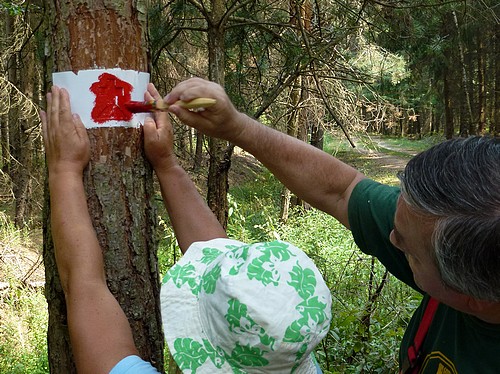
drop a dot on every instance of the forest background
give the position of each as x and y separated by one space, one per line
333 73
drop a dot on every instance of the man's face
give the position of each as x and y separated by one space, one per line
412 235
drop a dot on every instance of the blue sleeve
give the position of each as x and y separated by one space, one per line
133 365
318 369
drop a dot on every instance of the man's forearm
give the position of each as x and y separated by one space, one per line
78 254
313 175
190 216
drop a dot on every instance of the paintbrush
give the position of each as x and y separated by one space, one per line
153 105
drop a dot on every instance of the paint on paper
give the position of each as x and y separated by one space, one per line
111 94
98 95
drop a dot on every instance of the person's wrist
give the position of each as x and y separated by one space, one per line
66 168
239 134
165 164
64 179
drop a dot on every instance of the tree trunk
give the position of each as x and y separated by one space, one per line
465 101
5 127
317 135
298 119
495 123
292 130
22 182
448 111
198 155
118 181
481 98
13 115
220 150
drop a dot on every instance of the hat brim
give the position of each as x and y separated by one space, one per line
181 316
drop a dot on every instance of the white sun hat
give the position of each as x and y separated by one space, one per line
229 307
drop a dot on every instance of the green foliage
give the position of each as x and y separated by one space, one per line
253 212
381 65
12 7
23 311
168 249
23 340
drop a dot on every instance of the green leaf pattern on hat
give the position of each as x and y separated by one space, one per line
240 322
181 275
191 354
238 255
312 311
187 274
263 268
245 355
216 356
209 255
210 279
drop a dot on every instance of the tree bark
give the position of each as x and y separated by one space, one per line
14 132
448 111
495 123
118 180
292 130
5 127
22 182
298 119
220 150
466 117
481 95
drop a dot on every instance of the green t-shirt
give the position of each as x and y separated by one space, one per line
456 342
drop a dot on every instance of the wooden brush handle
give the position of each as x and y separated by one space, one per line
201 102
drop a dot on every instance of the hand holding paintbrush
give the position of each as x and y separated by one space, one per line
154 105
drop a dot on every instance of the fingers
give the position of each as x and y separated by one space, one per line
53 109
153 92
195 88
64 106
80 127
48 112
160 117
193 119
191 89
149 128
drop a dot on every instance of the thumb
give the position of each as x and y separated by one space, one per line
149 127
148 122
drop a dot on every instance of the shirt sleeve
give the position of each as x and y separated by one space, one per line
371 210
133 365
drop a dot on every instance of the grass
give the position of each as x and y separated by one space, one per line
253 216
23 310
23 340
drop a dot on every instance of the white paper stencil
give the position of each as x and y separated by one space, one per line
98 95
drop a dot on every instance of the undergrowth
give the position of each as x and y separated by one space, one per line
23 309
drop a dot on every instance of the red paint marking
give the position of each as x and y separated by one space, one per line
111 94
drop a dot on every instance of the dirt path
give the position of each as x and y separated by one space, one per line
245 167
386 160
